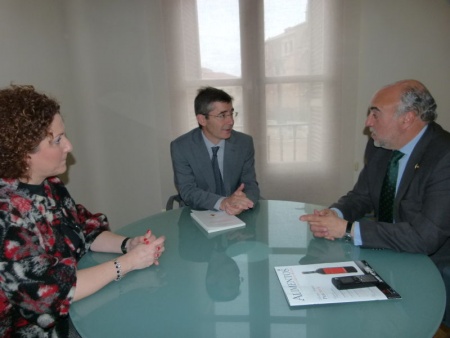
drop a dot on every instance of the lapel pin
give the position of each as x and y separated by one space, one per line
417 166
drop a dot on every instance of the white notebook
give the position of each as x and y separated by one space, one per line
213 221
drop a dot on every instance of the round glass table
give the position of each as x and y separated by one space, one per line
225 285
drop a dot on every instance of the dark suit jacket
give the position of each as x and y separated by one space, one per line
193 174
422 203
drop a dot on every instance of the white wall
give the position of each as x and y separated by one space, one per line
121 134
402 39
104 61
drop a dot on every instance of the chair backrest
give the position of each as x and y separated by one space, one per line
172 199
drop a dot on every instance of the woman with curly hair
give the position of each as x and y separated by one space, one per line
43 232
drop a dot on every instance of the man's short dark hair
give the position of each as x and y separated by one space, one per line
206 96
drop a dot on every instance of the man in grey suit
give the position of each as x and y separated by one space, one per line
400 117
233 189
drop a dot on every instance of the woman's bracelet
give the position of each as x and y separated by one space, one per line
123 247
118 270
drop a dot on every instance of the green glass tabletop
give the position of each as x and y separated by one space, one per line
225 285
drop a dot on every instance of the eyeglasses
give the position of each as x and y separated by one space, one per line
223 116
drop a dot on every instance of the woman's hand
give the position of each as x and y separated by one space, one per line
135 241
143 251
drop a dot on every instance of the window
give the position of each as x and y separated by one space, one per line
278 59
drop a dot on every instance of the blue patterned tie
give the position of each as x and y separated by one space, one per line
387 196
220 190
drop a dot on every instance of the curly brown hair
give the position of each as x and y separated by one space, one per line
25 119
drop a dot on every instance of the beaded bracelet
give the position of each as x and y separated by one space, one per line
118 270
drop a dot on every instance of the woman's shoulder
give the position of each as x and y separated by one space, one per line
8 184
54 185
8 189
14 204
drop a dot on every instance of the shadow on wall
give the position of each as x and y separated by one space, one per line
70 161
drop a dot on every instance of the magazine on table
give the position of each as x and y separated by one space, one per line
214 221
338 282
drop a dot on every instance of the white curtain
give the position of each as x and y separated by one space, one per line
281 61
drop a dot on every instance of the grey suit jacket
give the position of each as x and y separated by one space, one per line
422 203
193 174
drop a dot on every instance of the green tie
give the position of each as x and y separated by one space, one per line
386 207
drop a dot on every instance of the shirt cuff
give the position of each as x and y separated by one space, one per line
357 240
217 205
339 213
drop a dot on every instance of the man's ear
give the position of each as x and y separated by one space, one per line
409 118
201 119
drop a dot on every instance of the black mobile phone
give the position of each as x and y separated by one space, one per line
353 282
